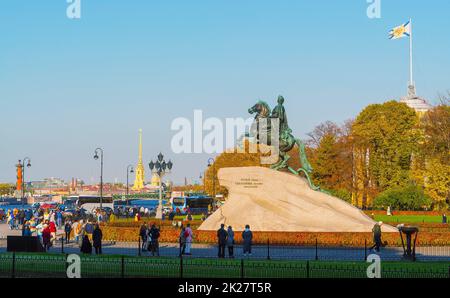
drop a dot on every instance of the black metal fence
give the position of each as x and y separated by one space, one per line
28 265
269 251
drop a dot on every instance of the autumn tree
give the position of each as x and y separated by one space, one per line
330 151
431 168
250 155
385 137
6 189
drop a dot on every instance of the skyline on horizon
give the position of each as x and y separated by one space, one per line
70 86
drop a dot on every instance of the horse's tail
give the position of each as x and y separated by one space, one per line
303 158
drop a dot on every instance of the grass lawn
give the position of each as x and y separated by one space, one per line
409 218
54 265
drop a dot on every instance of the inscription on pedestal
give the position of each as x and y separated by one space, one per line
249 182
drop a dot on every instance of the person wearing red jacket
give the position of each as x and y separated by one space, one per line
52 227
46 235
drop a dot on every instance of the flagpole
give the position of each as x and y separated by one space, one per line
410 54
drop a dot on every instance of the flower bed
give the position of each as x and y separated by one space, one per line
428 227
160 223
394 212
284 238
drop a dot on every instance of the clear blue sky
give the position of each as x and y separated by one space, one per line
69 86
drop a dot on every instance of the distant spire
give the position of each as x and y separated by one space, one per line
139 181
140 146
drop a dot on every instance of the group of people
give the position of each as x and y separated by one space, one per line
186 237
24 217
150 238
42 223
226 239
86 231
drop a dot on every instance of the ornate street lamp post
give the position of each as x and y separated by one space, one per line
28 160
129 170
101 173
211 163
160 167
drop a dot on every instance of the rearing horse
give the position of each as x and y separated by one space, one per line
286 141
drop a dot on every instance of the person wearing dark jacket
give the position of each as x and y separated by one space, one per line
86 246
376 230
247 237
97 236
222 239
143 235
67 230
154 235
230 242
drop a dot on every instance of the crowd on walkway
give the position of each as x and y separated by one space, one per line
86 231
45 223
87 234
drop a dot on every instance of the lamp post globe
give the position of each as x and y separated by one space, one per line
96 156
28 162
130 169
211 162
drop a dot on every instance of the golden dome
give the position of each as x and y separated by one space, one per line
155 180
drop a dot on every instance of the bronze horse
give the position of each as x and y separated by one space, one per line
286 142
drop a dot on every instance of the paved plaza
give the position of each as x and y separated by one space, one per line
258 251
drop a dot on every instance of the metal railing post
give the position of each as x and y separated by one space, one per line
317 255
62 245
139 246
181 266
66 264
181 259
122 268
365 249
13 269
307 269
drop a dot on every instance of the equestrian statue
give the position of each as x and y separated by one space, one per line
263 125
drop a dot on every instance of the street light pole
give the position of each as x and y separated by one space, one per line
159 167
23 175
129 171
101 174
212 163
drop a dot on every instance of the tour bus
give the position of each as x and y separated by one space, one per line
197 204
90 203
150 204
